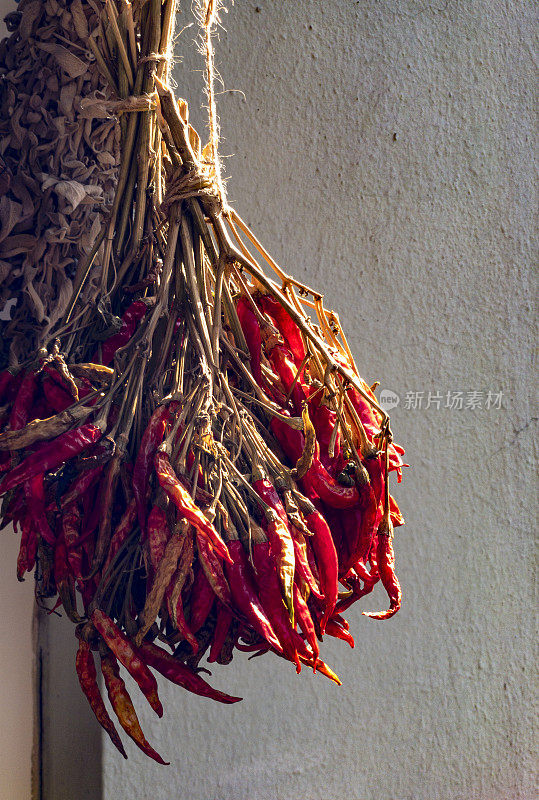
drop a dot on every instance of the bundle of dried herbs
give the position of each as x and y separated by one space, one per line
191 457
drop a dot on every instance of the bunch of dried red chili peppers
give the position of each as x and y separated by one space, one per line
193 462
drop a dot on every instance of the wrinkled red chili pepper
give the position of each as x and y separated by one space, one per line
359 526
70 527
180 674
123 529
58 399
181 625
283 364
244 594
285 325
51 455
385 558
251 330
328 489
86 673
128 656
28 548
303 616
222 627
269 592
123 706
158 534
326 558
34 491
182 500
65 585
22 406
151 439
133 314
302 563
336 629
202 599
80 485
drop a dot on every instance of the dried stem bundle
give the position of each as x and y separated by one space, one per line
191 448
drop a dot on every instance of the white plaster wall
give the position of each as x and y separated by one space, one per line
383 152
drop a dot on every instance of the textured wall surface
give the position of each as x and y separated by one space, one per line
382 151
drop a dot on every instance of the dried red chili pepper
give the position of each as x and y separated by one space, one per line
86 673
107 492
285 325
123 706
251 330
51 455
180 674
123 529
244 594
128 656
272 602
58 399
28 548
182 500
80 485
280 537
65 585
328 489
336 629
359 525
202 599
282 362
34 491
222 628
133 314
70 527
326 558
213 569
303 568
303 616
180 623
151 439
157 536
385 558
22 406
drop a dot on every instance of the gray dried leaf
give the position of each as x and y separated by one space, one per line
66 60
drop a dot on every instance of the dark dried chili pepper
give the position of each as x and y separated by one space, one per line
182 500
122 531
28 548
151 439
222 628
22 406
87 676
84 481
181 675
51 455
130 318
34 491
213 570
202 599
128 656
123 706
